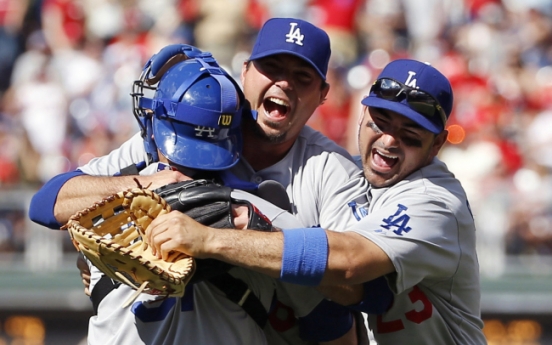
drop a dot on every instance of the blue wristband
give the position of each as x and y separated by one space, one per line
305 256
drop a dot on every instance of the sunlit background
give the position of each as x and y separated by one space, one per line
66 71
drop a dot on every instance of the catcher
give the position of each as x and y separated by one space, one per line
194 142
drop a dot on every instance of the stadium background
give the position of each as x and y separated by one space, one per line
66 70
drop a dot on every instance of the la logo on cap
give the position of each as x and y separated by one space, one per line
294 35
411 82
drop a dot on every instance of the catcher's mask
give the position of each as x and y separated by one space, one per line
195 114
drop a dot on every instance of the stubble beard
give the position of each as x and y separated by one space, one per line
258 132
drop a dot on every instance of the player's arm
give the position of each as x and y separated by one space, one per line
71 192
301 256
346 259
82 191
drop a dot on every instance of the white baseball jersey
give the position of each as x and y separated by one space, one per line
312 172
425 226
203 316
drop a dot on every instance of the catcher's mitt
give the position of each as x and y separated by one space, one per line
110 234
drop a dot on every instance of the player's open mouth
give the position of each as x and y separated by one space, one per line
383 161
275 108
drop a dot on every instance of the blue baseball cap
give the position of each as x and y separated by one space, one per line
421 76
296 37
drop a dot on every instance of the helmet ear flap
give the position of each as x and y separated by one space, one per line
149 143
144 116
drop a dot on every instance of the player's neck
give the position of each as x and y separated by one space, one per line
261 154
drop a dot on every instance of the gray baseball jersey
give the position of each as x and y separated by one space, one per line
319 176
425 226
312 172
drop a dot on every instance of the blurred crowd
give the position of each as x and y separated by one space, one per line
67 67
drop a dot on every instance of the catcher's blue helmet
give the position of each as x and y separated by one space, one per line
194 115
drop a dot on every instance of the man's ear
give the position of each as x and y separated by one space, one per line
361 114
324 93
243 71
440 140
162 158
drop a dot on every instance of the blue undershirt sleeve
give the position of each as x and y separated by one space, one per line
377 299
328 321
41 209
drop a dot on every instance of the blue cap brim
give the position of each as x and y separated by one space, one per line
285 51
403 109
178 144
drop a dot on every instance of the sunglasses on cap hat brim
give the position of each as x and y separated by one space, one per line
418 100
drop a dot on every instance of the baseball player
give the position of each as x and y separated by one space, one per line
284 82
149 316
418 231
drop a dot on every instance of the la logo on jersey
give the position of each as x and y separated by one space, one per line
411 81
294 35
358 211
397 221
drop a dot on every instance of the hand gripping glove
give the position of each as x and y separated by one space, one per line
110 234
210 204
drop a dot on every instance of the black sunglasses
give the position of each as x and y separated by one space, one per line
420 101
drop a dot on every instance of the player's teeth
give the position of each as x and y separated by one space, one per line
387 156
278 101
